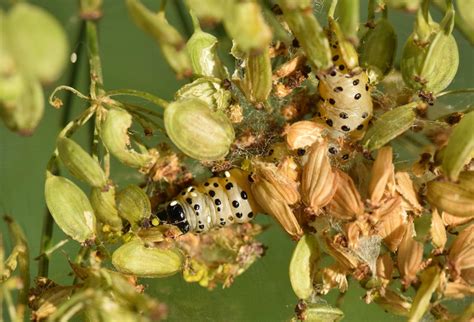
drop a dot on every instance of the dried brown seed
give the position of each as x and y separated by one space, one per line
272 203
409 257
284 188
438 231
453 221
319 181
391 227
405 188
346 203
458 290
303 133
382 180
394 303
454 198
461 253
331 277
385 266
343 255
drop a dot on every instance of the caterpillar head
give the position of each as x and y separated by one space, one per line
174 215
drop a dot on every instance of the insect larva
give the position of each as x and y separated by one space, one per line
218 202
346 104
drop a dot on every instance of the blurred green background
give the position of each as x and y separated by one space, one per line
132 60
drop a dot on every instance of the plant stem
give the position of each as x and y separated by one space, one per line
146 96
48 222
97 80
459 22
455 91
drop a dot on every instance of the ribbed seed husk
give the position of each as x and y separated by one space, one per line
270 201
303 261
319 181
133 204
70 208
346 203
103 203
382 180
80 163
409 257
114 134
302 134
455 198
134 257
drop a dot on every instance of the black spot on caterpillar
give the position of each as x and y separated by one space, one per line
221 202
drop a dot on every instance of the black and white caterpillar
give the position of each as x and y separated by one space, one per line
216 203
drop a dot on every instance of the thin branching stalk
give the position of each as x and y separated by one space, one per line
48 222
146 96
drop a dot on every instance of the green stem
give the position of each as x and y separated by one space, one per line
332 8
146 96
48 222
455 91
19 239
97 80
52 98
459 22
371 11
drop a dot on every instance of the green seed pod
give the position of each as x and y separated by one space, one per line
38 41
105 209
304 259
245 24
171 42
198 131
210 11
155 24
456 199
460 148
207 89
348 16
430 279
133 205
178 60
80 163
407 5
258 76
394 303
202 50
114 134
430 57
23 114
299 16
343 52
70 208
137 259
390 125
322 313
466 14
11 81
377 50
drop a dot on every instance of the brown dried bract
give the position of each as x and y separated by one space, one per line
409 257
346 203
319 180
382 182
302 134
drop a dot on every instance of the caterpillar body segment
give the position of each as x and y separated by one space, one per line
216 203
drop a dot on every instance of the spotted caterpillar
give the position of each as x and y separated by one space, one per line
216 203
346 102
